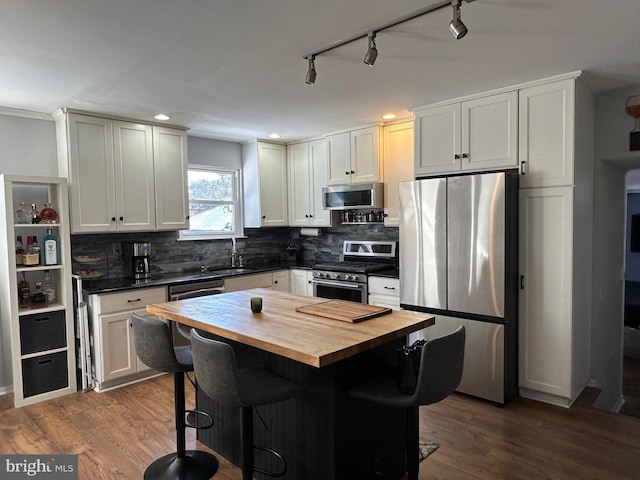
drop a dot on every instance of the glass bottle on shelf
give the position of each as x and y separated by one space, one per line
24 292
48 287
20 251
35 214
35 248
23 214
48 214
51 248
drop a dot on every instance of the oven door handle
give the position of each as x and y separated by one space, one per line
197 293
341 285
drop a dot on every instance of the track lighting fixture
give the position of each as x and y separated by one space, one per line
311 71
457 28
372 52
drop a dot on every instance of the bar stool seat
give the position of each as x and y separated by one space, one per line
220 378
154 346
439 375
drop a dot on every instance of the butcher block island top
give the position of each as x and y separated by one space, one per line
280 329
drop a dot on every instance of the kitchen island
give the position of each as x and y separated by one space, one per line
323 434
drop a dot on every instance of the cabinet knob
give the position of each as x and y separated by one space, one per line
456 156
352 172
465 155
310 216
264 216
121 218
113 219
346 173
306 216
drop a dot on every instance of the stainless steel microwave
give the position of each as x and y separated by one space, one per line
345 197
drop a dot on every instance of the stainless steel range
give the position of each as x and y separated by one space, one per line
347 280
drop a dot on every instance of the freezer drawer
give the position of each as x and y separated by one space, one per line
483 374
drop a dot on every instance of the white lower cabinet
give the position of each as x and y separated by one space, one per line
384 292
114 354
280 281
301 282
554 329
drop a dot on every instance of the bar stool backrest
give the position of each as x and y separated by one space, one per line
153 343
440 368
216 369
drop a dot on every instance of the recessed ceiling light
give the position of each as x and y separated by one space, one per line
389 116
162 116
274 135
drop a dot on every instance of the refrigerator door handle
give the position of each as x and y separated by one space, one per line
521 282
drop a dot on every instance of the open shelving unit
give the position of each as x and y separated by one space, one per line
38 344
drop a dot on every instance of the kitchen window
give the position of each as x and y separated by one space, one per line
214 204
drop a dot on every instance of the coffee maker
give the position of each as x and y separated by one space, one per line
135 256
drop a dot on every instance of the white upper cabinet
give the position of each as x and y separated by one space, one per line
170 169
474 135
546 146
265 184
308 173
354 157
398 166
119 173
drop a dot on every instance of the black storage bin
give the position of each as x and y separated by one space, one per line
44 373
42 331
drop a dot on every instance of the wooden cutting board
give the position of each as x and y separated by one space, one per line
344 310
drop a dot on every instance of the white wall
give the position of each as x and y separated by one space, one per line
206 151
613 160
27 146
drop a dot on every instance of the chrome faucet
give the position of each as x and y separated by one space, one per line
234 253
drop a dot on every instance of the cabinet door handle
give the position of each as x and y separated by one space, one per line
465 155
456 156
134 300
113 219
310 216
306 216
521 282
522 170
121 218
352 172
346 172
389 288
264 216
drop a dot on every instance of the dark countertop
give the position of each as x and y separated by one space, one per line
158 280
390 273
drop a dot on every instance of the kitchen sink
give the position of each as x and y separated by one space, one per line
230 271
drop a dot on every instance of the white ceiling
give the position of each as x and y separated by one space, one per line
233 69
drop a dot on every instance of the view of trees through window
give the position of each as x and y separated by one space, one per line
212 201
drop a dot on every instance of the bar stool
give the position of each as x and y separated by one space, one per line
439 375
154 346
219 377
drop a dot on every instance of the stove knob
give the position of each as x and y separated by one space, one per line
323 275
350 277
335 276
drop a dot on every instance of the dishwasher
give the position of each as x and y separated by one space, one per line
182 291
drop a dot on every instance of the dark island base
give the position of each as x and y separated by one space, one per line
323 434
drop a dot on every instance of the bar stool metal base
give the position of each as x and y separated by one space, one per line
194 465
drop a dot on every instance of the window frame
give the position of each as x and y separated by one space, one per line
189 234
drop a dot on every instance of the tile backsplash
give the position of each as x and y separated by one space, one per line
260 247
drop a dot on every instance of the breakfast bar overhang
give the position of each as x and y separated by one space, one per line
322 434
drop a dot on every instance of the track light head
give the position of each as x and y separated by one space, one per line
311 71
372 52
456 27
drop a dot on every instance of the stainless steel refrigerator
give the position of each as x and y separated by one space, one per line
458 260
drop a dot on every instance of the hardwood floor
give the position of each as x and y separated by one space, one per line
117 434
631 386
